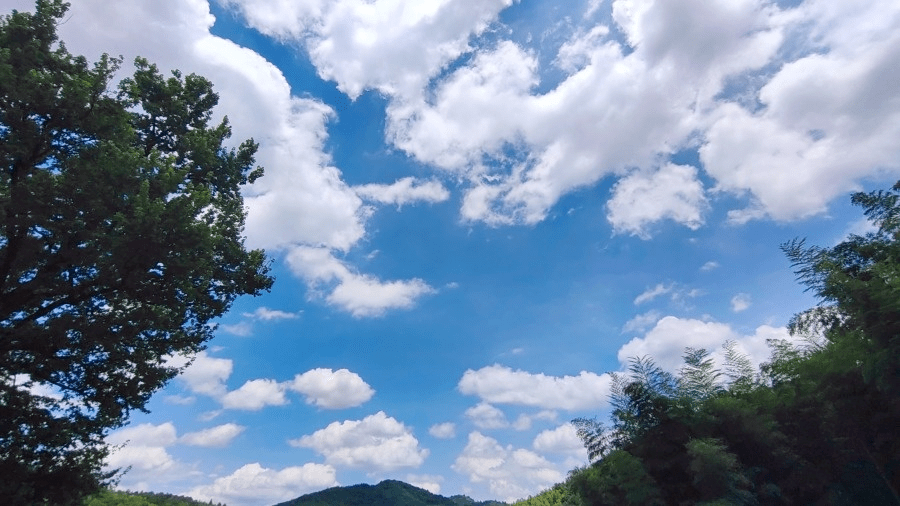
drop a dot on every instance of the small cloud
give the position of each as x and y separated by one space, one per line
642 322
332 389
446 430
266 314
740 302
242 329
255 395
431 483
179 400
214 437
404 191
709 266
485 416
652 293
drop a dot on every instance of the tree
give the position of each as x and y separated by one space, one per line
121 223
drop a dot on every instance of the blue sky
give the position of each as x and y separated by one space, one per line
478 208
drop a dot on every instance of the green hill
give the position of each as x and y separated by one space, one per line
386 493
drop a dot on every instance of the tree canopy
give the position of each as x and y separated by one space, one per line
121 223
817 424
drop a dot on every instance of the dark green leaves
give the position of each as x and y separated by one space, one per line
121 223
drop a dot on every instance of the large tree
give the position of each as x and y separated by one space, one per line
121 223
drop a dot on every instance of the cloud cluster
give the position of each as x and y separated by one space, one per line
503 385
666 341
510 473
143 449
377 443
788 106
302 201
325 388
254 484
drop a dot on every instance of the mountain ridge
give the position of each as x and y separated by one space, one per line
385 493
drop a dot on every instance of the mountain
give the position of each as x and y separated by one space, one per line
386 493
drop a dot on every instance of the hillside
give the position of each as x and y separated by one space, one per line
387 493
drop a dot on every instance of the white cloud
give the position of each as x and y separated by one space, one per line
741 302
219 436
642 321
502 385
242 329
389 45
562 440
330 389
709 266
302 199
253 484
404 191
429 482
205 375
377 443
665 343
652 293
828 119
361 295
510 473
266 314
446 430
485 416
641 199
145 434
142 448
255 395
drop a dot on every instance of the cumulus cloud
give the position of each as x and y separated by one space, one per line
393 46
502 385
330 389
485 416
404 191
219 436
205 375
429 482
361 295
509 473
254 484
143 449
672 192
255 395
740 302
562 440
377 443
825 120
446 430
665 343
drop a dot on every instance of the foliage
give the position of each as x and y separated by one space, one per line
558 495
817 424
119 498
121 225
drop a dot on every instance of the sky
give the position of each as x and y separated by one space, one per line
477 209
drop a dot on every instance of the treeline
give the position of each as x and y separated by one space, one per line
120 498
817 424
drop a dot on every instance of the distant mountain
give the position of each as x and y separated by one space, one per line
386 493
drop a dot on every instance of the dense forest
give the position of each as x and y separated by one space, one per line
817 424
